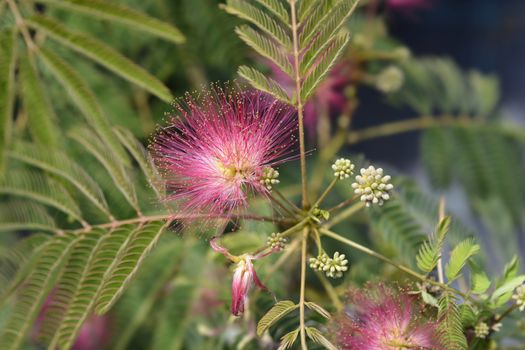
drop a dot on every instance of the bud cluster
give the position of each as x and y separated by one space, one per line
343 168
332 267
372 186
276 241
481 330
269 178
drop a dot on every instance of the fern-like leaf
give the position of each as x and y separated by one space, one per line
430 251
277 8
17 262
35 290
134 19
278 311
139 153
42 119
265 47
459 257
24 215
99 268
84 98
327 30
68 283
115 169
261 82
322 68
316 336
138 248
450 323
102 54
258 17
46 190
7 77
288 339
60 164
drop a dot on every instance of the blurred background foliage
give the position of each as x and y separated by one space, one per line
462 144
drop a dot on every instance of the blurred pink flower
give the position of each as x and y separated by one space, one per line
244 276
383 319
329 97
408 5
93 335
215 150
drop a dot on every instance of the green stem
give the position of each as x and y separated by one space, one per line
330 290
325 193
286 200
345 214
299 102
301 295
391 262
402 126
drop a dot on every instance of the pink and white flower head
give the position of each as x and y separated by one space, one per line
381 318
217 146
244 276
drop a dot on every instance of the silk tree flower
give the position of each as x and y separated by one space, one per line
218 146
244 276
329 97
381 318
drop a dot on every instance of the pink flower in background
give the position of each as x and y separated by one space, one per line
408 5
329 97
214 152
93 335
383 319
244 276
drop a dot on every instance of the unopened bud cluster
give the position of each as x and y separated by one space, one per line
343 168
276 241
390 79
372 186
332 267
481 330
269 178
519 296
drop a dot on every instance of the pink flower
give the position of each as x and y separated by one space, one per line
216 148
383 319
407 5
329 97
244 276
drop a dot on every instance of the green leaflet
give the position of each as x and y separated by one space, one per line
98 269
7 75
36 186
67 285
139 153
60 164
113 166
278 311
245 10
42 119
259 81
24 215
277 8
322 68
459 257
134 19
430 251
141 243
17 263
265 47
36 289
101 53
84 98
